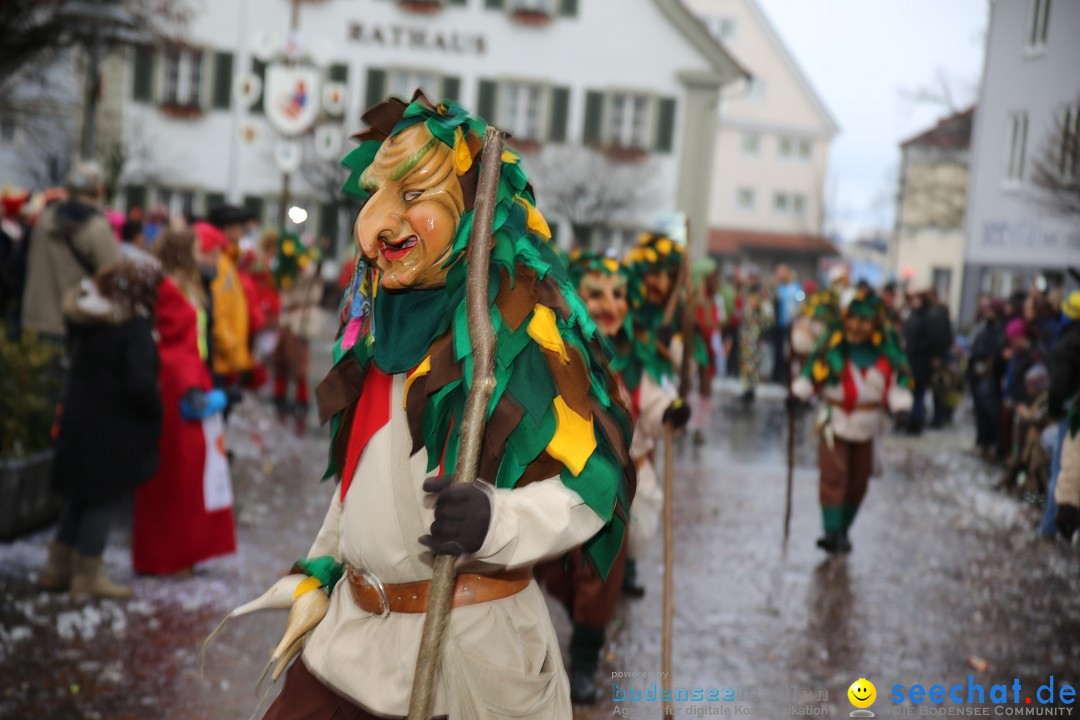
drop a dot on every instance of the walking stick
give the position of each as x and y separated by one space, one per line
684 282
482 336
792 370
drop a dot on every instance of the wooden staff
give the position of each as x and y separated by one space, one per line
793 369
482 336
684 284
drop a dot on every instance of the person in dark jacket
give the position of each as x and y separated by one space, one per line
941 341
985 372
108 441
919 346
1063 501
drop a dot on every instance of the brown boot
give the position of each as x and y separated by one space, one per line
88 579
55 576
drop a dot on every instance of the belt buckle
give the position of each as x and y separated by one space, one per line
373 580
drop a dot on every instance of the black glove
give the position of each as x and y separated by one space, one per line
792 403
1068 520
665 333
677 414
462 517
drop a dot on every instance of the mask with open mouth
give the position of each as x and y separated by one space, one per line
407 228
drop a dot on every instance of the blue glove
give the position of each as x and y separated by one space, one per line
199 405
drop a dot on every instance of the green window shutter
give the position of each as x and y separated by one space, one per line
665 126
451 88
223 73
458 2
594 118
376 87
560 114
142 87
328 227
135 197
339 72
568 8
213 200
493 4
258 68
254 205
485 103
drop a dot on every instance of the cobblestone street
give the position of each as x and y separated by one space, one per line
945 575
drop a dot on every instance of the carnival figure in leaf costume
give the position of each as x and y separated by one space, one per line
591 600
648 361
859 370
555 451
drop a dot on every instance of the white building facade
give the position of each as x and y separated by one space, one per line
638 79
772 147
1028 113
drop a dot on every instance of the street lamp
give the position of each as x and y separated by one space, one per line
98 18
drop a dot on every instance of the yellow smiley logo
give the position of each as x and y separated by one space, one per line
862 693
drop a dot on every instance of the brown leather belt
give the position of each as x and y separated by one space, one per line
412 597
860 406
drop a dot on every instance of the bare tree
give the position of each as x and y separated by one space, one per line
590 190
1055 170
944 92
33 33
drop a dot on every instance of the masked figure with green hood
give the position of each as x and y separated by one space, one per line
554 464
589 599
860 371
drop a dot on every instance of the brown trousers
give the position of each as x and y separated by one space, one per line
589 600
305 698
845 472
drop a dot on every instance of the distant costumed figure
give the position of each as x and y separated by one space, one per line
647 359
602 284
859 370
554 463
184 514
709 317
295 268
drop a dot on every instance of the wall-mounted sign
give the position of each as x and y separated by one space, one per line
291 100
415 38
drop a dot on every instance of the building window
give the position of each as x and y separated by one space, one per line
1017 138
183 77
1038 22
805 149
744 198
787 148
789 203
403 83
537 6
751 143
523 109
629 126
7 129
1069 155
177 203
755 90
942 279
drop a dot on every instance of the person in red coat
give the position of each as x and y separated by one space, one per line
184 515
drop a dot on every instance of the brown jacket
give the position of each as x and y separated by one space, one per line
71 241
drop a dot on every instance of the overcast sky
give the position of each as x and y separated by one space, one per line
866 58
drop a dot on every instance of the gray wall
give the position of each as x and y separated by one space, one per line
1007 230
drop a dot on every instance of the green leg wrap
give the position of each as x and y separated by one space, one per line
849 512
585 646
832 518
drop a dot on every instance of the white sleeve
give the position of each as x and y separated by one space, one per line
653 401
327 542
542 520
